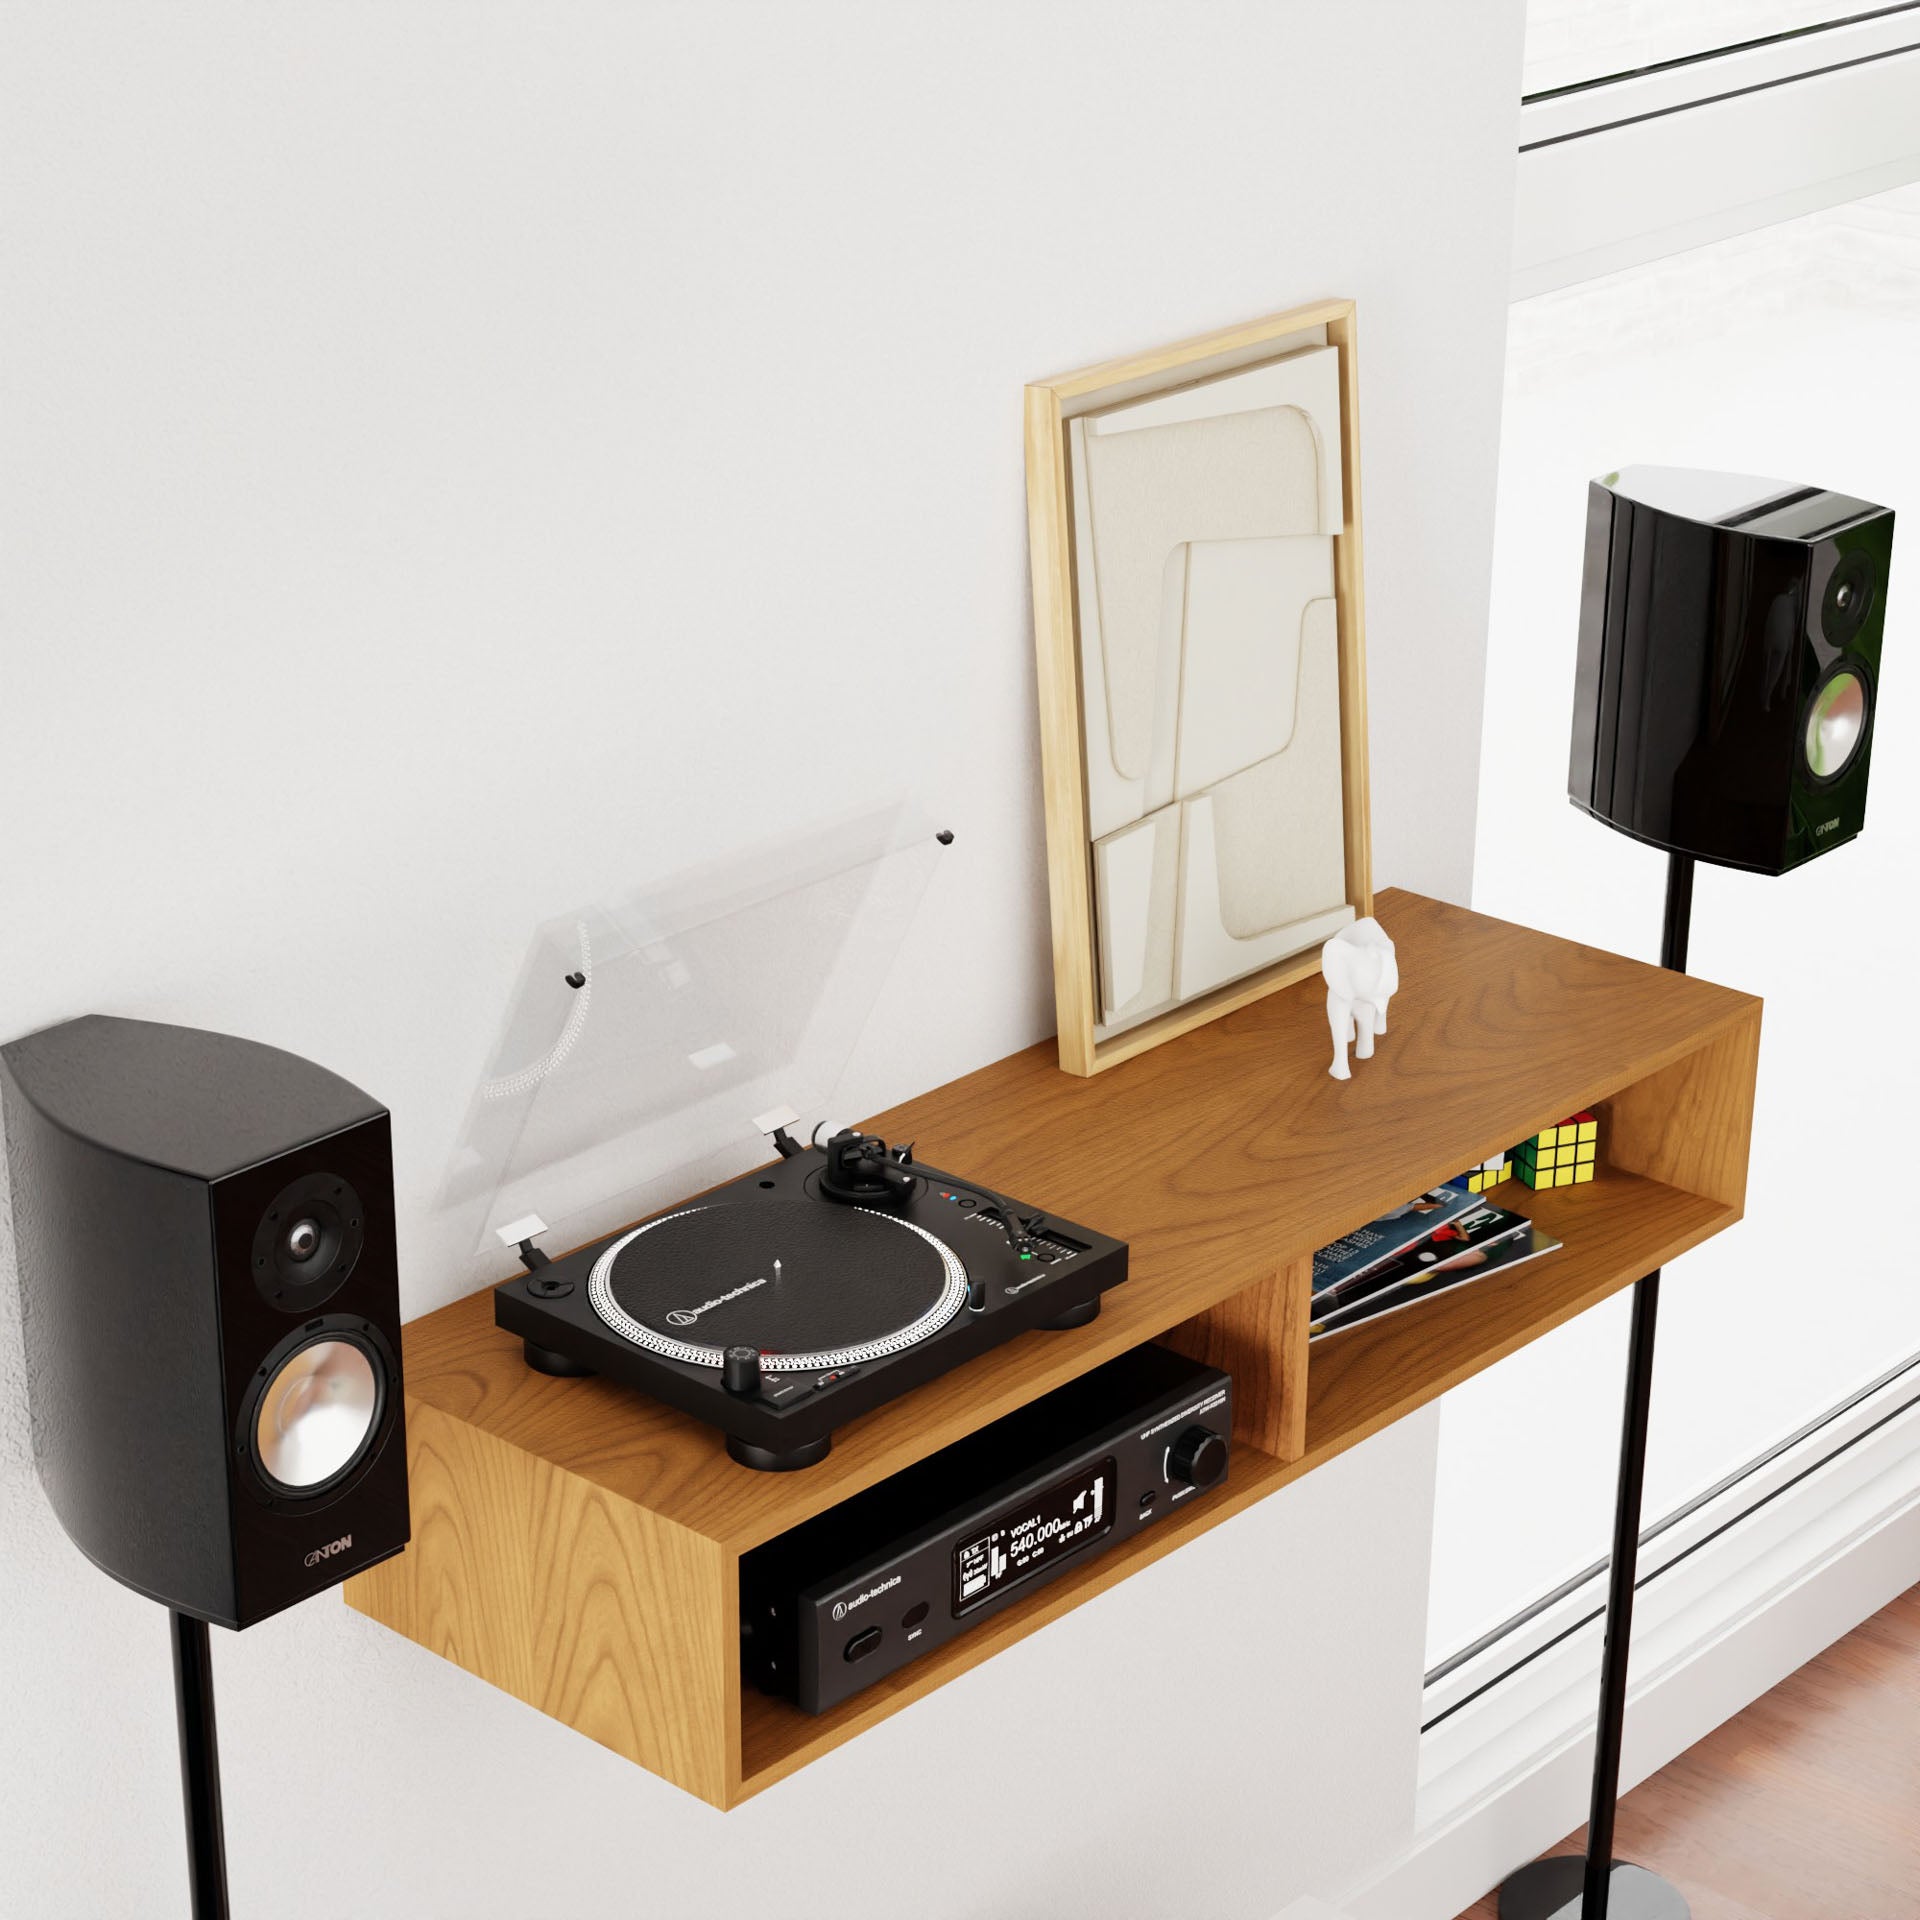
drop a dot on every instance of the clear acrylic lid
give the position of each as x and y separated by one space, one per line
653 1039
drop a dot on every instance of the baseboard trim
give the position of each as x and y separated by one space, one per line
1609 200
1506 1775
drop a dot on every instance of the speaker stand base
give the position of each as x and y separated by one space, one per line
1551 1890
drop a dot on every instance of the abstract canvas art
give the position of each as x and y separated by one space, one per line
1196 573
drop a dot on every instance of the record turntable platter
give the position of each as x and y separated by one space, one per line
810 1285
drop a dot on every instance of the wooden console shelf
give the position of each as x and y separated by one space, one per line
579 1545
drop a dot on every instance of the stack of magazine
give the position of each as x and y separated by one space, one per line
1444 1239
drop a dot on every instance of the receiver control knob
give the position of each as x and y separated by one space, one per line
1197 1459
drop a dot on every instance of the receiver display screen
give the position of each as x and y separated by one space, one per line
1055 1522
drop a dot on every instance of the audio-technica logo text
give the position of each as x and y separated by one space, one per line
841 1608
686 1316
329 1550
1826 826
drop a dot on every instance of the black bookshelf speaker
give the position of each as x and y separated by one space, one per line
205 1237
1729 664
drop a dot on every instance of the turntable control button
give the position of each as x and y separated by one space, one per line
1198 1458
740 1370
863 1644
833 1377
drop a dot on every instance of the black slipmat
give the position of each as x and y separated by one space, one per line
868 1301
848 1276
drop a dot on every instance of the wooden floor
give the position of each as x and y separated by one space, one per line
1804 1807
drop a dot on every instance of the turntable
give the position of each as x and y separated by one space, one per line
646 1038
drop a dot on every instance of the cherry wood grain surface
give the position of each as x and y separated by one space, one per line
1259 1337
1221 1157
577 1544
607 1617
1615 1230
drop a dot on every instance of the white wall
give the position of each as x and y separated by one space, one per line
463 460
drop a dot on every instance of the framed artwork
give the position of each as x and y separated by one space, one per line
1194 518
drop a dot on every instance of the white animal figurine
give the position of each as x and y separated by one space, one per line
1362 976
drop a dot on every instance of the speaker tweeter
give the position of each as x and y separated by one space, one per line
308 1242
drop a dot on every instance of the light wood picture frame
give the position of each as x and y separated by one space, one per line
1296 344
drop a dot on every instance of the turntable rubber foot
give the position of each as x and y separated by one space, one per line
779 1459
1084 1315
545 1360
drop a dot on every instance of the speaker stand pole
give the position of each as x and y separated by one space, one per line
1597 1885
199 1767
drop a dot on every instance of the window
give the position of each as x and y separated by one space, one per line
1784 350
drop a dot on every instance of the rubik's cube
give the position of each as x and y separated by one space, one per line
1484 1174
1560 1156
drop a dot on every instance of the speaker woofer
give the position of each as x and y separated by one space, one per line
318 1412
1836 723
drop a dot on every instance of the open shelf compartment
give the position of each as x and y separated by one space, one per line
579 1545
